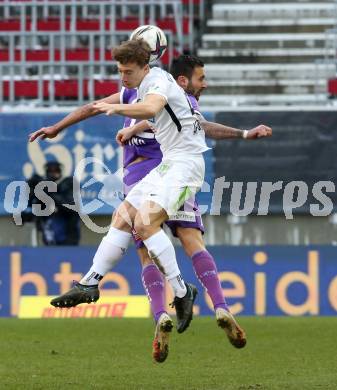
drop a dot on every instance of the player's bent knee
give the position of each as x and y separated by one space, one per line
124 216
142 227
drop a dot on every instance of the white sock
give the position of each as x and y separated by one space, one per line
108 254
162 253
178 286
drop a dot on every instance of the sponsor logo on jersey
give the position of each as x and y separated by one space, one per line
163 168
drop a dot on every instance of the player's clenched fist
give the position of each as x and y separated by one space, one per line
124 135
259 132
44 132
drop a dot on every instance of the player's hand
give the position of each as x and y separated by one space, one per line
124 135
260 131
43 133
106 108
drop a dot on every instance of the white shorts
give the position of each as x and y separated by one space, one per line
170 184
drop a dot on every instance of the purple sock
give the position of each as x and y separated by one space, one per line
154 286
207 273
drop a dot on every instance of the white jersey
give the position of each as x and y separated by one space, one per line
176 127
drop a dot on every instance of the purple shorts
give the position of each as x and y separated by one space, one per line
190 218
134 173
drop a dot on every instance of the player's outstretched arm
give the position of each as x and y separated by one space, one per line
76 116
219 132
152 104
125 134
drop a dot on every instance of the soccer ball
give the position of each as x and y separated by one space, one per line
154 37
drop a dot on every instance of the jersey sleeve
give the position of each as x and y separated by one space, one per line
157 86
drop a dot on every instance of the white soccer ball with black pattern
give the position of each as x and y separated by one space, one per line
154 37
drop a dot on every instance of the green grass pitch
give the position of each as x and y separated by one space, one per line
281 353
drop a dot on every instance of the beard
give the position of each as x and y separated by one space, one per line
193 91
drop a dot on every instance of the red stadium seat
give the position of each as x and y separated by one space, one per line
54 24
105 88
66 89
77 54
332 87
10 25
195 2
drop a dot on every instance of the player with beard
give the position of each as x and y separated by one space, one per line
141 154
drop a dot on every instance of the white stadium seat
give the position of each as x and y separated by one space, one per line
263 52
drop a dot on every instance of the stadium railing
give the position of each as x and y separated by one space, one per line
112 15
58 72
60 50
38 37
268 9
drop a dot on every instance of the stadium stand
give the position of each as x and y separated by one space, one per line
60 50
257 51
262 52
